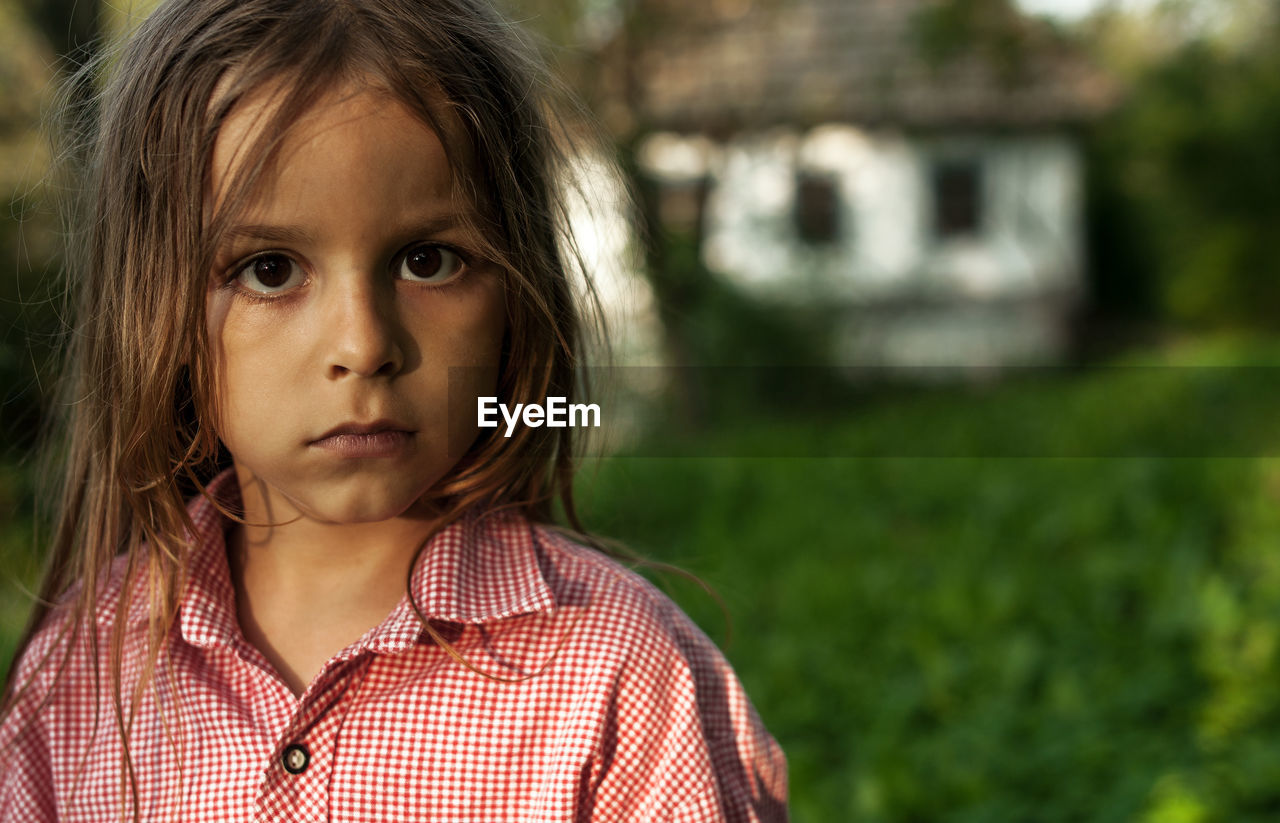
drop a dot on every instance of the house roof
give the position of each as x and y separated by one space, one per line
726 65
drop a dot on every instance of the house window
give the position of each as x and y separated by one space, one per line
957 198
817 208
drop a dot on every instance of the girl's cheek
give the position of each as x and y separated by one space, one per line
485 311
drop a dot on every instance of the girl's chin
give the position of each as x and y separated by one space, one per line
362 505
354 499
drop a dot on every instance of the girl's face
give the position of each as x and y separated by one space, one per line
340 301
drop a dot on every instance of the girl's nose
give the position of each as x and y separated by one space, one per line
364 338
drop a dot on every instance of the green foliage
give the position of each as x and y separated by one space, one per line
990 639
28 240
1186 186
741 344
19 564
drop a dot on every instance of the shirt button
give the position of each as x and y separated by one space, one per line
296 759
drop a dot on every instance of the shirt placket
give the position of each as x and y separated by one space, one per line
295 783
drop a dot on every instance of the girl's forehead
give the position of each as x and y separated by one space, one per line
268 124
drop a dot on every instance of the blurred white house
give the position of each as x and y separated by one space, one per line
845 153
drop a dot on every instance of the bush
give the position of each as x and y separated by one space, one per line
1186 187
976 638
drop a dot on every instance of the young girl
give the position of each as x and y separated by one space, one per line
316 231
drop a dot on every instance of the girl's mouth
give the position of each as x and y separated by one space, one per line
378 439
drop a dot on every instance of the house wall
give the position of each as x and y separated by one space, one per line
998 293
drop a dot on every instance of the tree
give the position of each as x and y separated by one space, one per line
1189 166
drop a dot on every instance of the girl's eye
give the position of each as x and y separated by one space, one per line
270 273
429 263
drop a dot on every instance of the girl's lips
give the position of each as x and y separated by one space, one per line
383 443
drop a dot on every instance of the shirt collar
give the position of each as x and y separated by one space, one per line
479 568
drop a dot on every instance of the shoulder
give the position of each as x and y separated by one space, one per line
69 639
60 672
631 616
52 681
77 629
682 723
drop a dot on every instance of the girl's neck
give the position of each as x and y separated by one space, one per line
305 590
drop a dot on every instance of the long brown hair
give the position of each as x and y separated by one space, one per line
135 424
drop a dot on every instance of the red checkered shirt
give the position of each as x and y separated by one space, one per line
623 709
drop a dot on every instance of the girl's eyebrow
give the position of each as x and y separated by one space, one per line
272 234
294 234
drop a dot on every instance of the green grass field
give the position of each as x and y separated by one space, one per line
1073 637
1028 628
